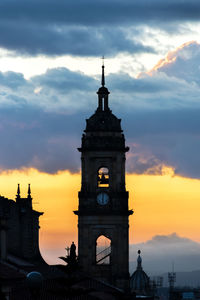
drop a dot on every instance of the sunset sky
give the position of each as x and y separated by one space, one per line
50 66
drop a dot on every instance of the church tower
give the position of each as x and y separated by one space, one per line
103 214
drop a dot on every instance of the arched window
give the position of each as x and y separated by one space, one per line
103 250
103 177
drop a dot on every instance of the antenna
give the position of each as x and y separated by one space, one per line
171 280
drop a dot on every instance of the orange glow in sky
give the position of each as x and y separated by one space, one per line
162 204
169 58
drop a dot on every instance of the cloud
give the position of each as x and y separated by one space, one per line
55 89
88 28
64 81
35 39
32 138
167 131
41 129
159 138
161 251
181 63
90 12
42 119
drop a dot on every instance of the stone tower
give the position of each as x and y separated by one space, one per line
103 200
19 228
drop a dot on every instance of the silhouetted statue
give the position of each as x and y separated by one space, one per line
71 258
73 252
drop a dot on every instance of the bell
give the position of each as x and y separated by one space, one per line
103 179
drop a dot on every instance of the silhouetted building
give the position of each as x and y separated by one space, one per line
19 228
19 242
103 200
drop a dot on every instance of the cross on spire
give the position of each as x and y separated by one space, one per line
103 76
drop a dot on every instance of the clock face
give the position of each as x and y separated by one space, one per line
102 198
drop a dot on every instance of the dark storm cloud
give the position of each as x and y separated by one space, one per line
33 39
40 130
99 12
158 138
87 28
33 138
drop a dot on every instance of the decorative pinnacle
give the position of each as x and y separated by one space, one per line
103 77
29 190
18 190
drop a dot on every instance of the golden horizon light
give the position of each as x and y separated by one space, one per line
162 204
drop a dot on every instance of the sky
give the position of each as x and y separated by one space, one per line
50 67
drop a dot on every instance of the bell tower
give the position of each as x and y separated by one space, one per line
103 214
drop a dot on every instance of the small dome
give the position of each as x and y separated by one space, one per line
34 280
139 281
103 121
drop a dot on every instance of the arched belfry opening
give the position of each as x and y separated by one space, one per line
103 177
103 250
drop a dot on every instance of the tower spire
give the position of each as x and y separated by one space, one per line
103 76
103 92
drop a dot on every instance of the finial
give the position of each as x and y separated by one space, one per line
139 261
102 76
18 190
29 190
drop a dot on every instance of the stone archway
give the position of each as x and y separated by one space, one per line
103 250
